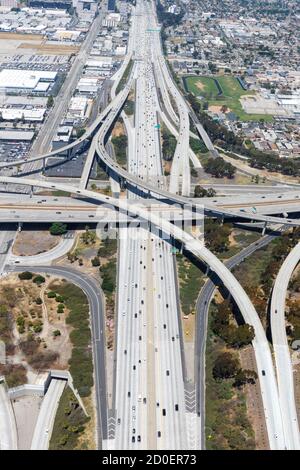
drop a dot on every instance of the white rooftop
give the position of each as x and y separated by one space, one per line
14 78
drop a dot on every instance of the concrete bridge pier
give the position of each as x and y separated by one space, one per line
264 228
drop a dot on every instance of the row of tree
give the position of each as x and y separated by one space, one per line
219 168
227 366
223 326
199 191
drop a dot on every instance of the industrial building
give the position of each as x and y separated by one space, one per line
16 136
10 113
14 80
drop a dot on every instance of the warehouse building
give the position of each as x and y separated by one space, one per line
20 81
16 136
22 113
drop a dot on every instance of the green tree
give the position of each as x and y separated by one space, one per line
244 376
50 101
39 279
21 324
225 366
96 261
80 132
51 295
58 228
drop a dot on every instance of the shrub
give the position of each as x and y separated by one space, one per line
25 276
37 326
39 280
226 366
96 261
60 308
51 295
21 324
58 228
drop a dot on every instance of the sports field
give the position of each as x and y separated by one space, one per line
223 91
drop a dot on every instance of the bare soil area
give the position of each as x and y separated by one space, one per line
200 85
254 401
34 316
21 37
118 129
45 48
29 243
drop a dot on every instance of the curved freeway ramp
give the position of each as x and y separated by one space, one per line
8 429
283 361
45 422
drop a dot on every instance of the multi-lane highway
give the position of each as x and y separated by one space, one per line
149 371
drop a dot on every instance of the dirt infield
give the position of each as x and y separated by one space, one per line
199 85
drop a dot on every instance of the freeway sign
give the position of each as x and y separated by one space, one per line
157 126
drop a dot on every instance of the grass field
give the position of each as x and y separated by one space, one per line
191 280
230 97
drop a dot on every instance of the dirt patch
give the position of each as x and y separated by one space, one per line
33 314
199 85
232 240
55 321
118 129
131 95
21 37
218 109
255 409
50 48
30 243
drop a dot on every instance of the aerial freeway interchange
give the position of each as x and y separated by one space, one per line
150 384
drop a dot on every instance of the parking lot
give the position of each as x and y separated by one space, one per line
10 151
52 63
71 169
